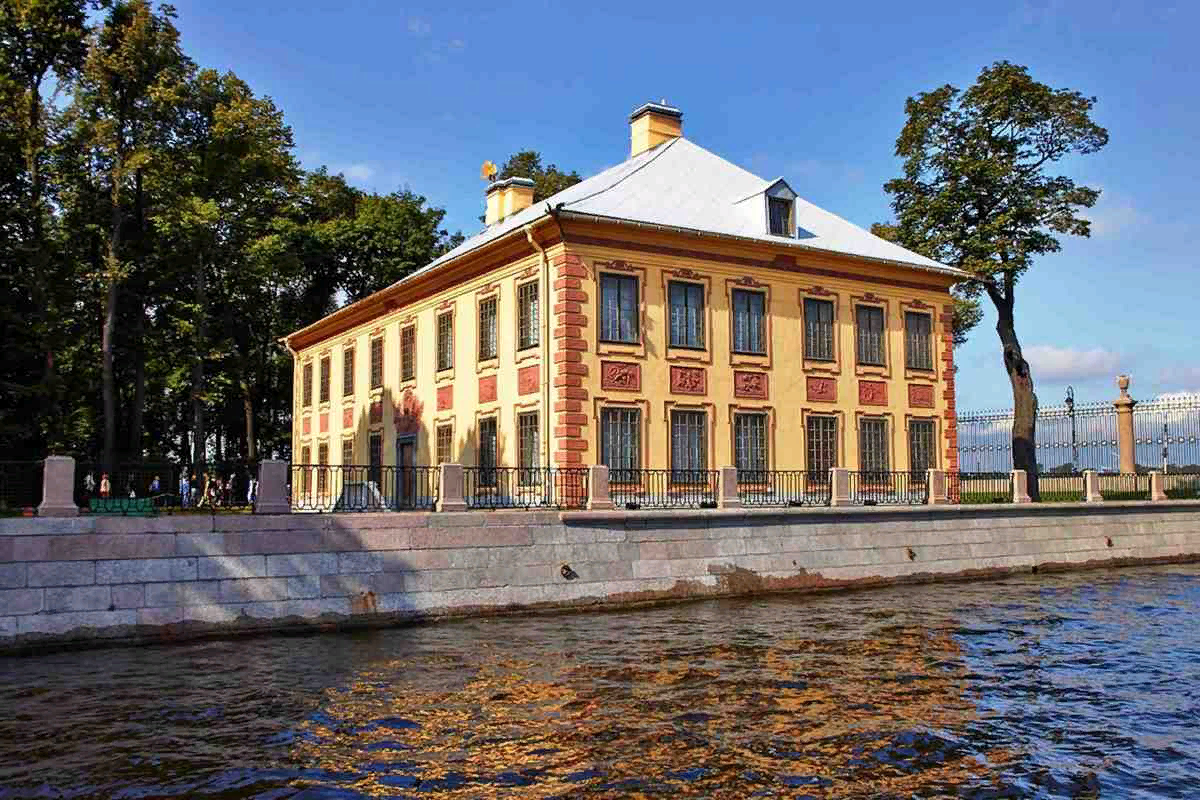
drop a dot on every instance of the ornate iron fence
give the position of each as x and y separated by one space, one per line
783 488
663 488
979 488
20 487
525 487
1073 437
362 487
142 489
877 488
1182 486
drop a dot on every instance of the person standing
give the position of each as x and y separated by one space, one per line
105 487
185 489
155 486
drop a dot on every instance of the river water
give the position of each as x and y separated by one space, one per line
1082 685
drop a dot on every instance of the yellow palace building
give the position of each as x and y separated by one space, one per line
671 312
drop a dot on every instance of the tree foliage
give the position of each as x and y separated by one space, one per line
979 193
159 237
547 180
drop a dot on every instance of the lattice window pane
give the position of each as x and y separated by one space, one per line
872 445
619 308
347 452
869 327
487 329
749 322
781 216
750 443
445 444
818 329
687 314
921 453
306 473
375 454
620 443
322 472
408 353
822 444
377 363
445 341
306 389
325 367
348 372
689 445
528 444
487 452
527 315
918 340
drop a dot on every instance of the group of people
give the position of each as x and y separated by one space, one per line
213 491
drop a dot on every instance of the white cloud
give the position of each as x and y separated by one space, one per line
1113 214
457 44
419 27
1180 376
356 173
1052 363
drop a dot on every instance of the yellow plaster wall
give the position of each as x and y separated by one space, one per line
463 300
787 402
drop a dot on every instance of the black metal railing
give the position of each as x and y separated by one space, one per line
979 488
779 487
1124 486
878 488
143 489
362 487
20 487
1182 485
663 488
525 487
1062 487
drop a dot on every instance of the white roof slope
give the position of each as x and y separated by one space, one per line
681 185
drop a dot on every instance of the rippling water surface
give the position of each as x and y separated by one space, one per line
1053 686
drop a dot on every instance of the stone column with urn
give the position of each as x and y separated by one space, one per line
1125 442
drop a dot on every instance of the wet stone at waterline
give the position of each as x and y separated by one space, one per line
1048 686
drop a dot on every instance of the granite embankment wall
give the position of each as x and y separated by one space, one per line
103 579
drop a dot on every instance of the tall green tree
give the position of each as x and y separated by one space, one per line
979 193
42 44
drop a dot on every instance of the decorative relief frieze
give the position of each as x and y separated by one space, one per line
872 393
920 395
620 376
821 390
688 380
750 384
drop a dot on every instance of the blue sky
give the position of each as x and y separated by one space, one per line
420 95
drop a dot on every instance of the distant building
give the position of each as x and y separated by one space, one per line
671 312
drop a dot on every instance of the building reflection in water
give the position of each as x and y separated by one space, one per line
881 709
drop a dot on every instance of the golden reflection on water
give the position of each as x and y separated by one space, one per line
827 716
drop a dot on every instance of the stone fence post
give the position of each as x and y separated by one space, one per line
450 494
1091 487
727 488
839 489
1158 491
58 488
936 483
1020 482
1124 404
272 495
598 498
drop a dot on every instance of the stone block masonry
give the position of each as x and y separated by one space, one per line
87 580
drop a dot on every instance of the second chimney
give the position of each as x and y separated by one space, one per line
652 124
507 197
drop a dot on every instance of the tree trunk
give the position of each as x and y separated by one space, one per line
248 409
139 385
1024 453
198 366
108 332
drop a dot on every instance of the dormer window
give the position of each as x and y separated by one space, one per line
780 212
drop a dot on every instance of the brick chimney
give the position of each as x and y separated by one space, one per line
652 124
507 197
